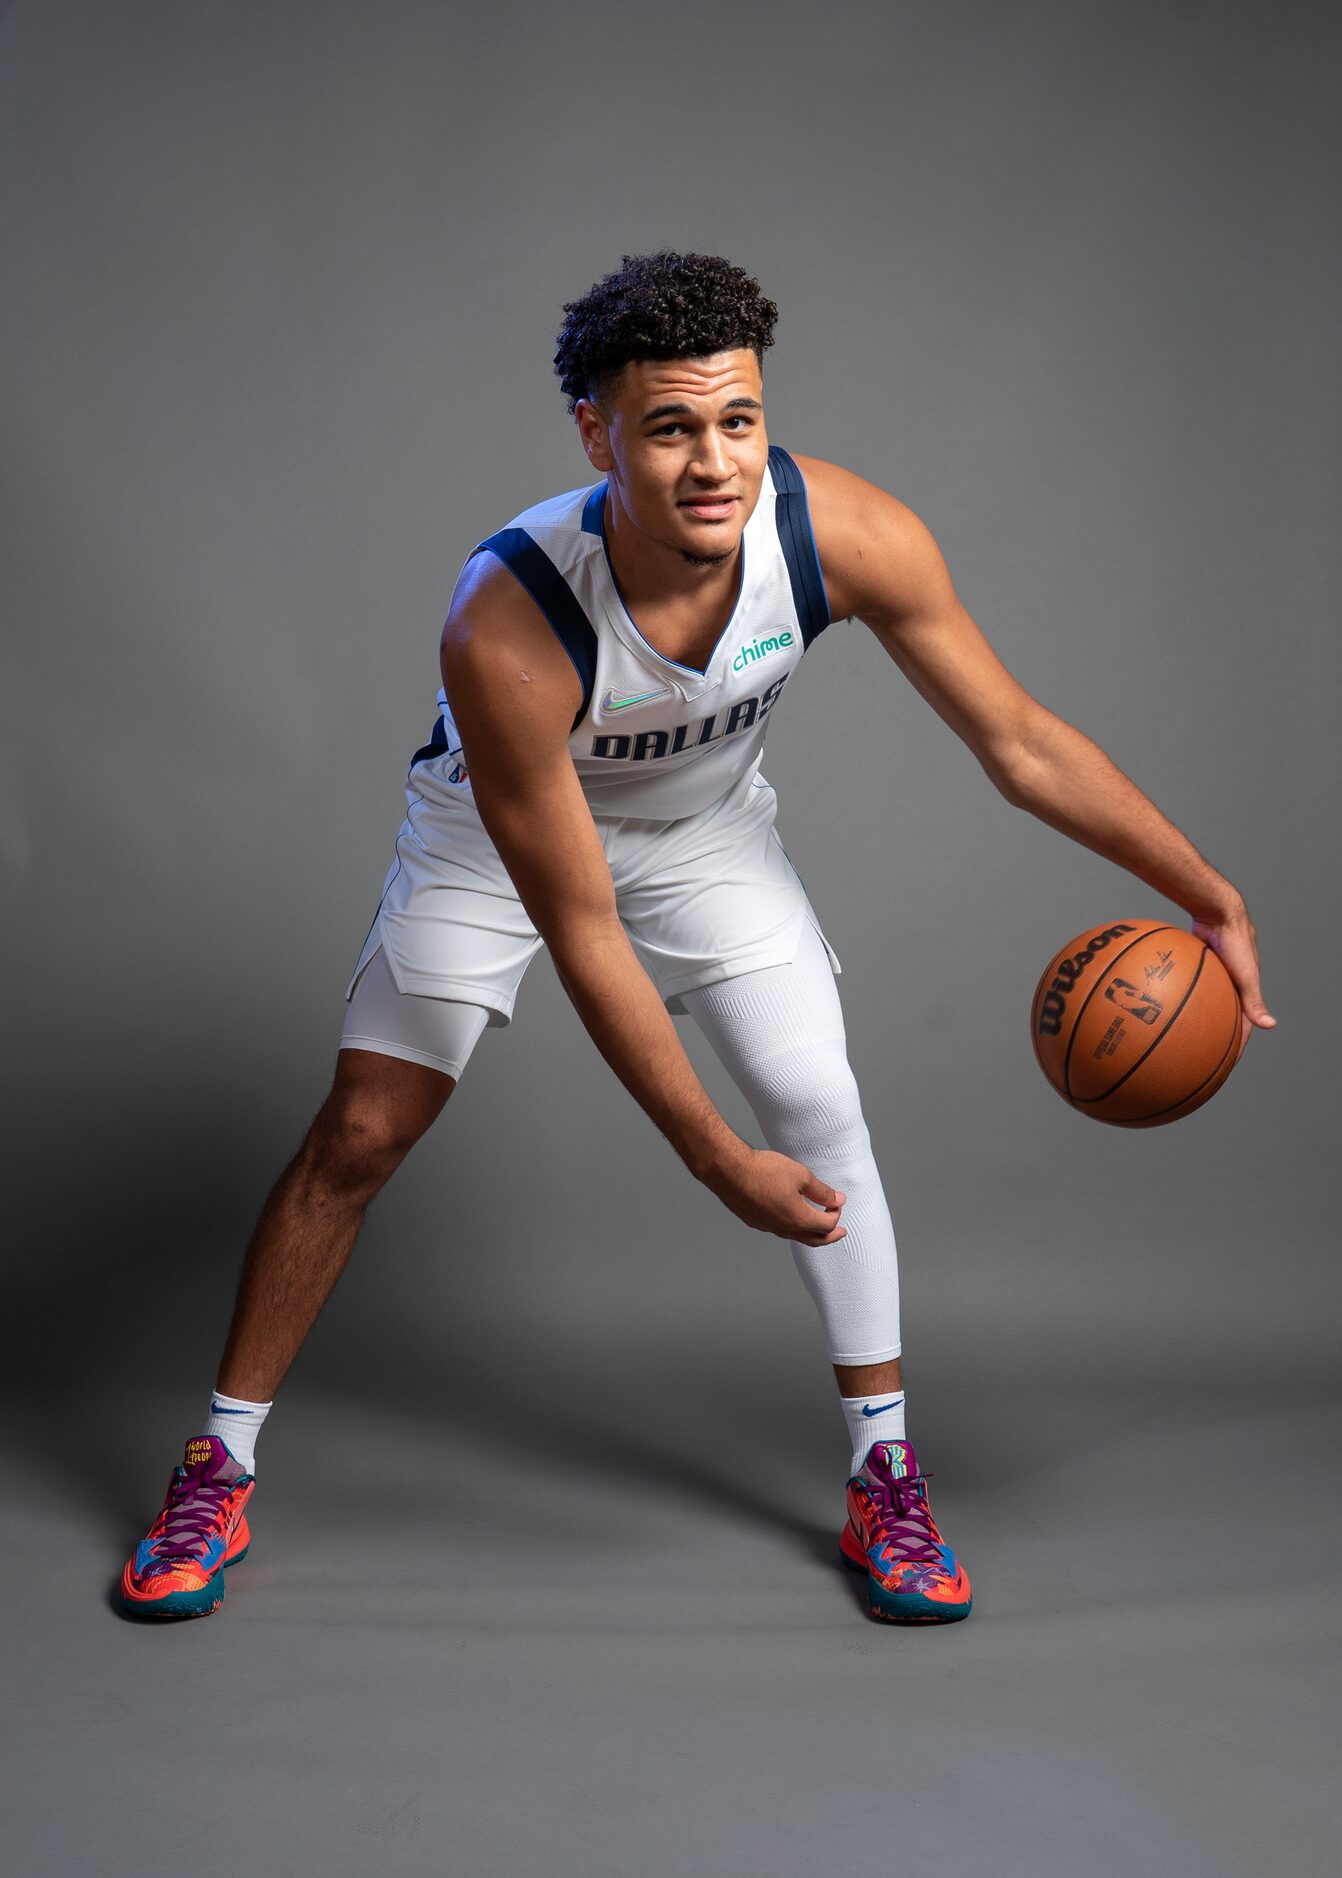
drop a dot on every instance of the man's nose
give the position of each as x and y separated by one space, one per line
711 461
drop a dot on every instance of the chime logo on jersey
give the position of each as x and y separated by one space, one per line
647 746
762 649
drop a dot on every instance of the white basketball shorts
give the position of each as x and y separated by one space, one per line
703 898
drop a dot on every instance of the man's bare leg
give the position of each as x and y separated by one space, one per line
378 1108
869 1378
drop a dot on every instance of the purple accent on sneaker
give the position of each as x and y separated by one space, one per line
889 1460
196 1492
899 1491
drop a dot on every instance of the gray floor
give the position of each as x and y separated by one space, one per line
631 1653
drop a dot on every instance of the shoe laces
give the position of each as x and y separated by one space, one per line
193 1510
904 1520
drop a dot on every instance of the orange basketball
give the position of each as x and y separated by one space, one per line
1136 1023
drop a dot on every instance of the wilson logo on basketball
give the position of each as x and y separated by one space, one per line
1068 971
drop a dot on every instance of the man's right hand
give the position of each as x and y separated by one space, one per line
774 1194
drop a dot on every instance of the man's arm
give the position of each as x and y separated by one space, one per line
881 564
513 694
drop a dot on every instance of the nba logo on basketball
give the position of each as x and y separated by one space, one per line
1138 1004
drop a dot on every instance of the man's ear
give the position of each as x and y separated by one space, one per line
593 428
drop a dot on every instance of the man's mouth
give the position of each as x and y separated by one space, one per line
710 508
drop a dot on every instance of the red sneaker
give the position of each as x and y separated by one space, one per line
913 1577
178 1570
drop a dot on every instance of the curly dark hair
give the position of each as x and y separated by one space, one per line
659 306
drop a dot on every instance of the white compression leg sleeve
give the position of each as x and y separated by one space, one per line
779 1033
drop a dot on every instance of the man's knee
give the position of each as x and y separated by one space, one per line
370 1121
811 1095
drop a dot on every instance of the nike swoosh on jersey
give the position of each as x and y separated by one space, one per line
611 703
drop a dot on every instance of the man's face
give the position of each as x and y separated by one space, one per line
683 446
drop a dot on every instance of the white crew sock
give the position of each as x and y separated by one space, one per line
873 1418
238 1423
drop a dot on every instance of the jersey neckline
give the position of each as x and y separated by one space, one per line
595 508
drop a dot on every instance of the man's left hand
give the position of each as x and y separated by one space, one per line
1235 943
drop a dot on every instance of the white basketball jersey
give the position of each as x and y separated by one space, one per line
654 738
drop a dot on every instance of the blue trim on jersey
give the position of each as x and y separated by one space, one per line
532 566
593 509
436 746
797 539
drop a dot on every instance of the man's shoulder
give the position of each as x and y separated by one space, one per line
847 507
831 488
570 512
519 591
861 530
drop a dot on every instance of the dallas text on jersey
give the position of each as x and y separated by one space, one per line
647 745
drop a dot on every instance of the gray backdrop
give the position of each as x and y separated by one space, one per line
281 290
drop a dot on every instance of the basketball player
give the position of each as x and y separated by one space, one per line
610 664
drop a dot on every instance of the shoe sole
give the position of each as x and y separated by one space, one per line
905 1607
187 1603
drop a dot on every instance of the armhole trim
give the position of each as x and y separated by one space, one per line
436 746
532 566
796 537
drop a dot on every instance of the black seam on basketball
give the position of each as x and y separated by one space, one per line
1206 1079
1036 1007
1156 1041
1067 1059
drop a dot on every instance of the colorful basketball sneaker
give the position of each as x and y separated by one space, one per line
912 1574
178 1571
